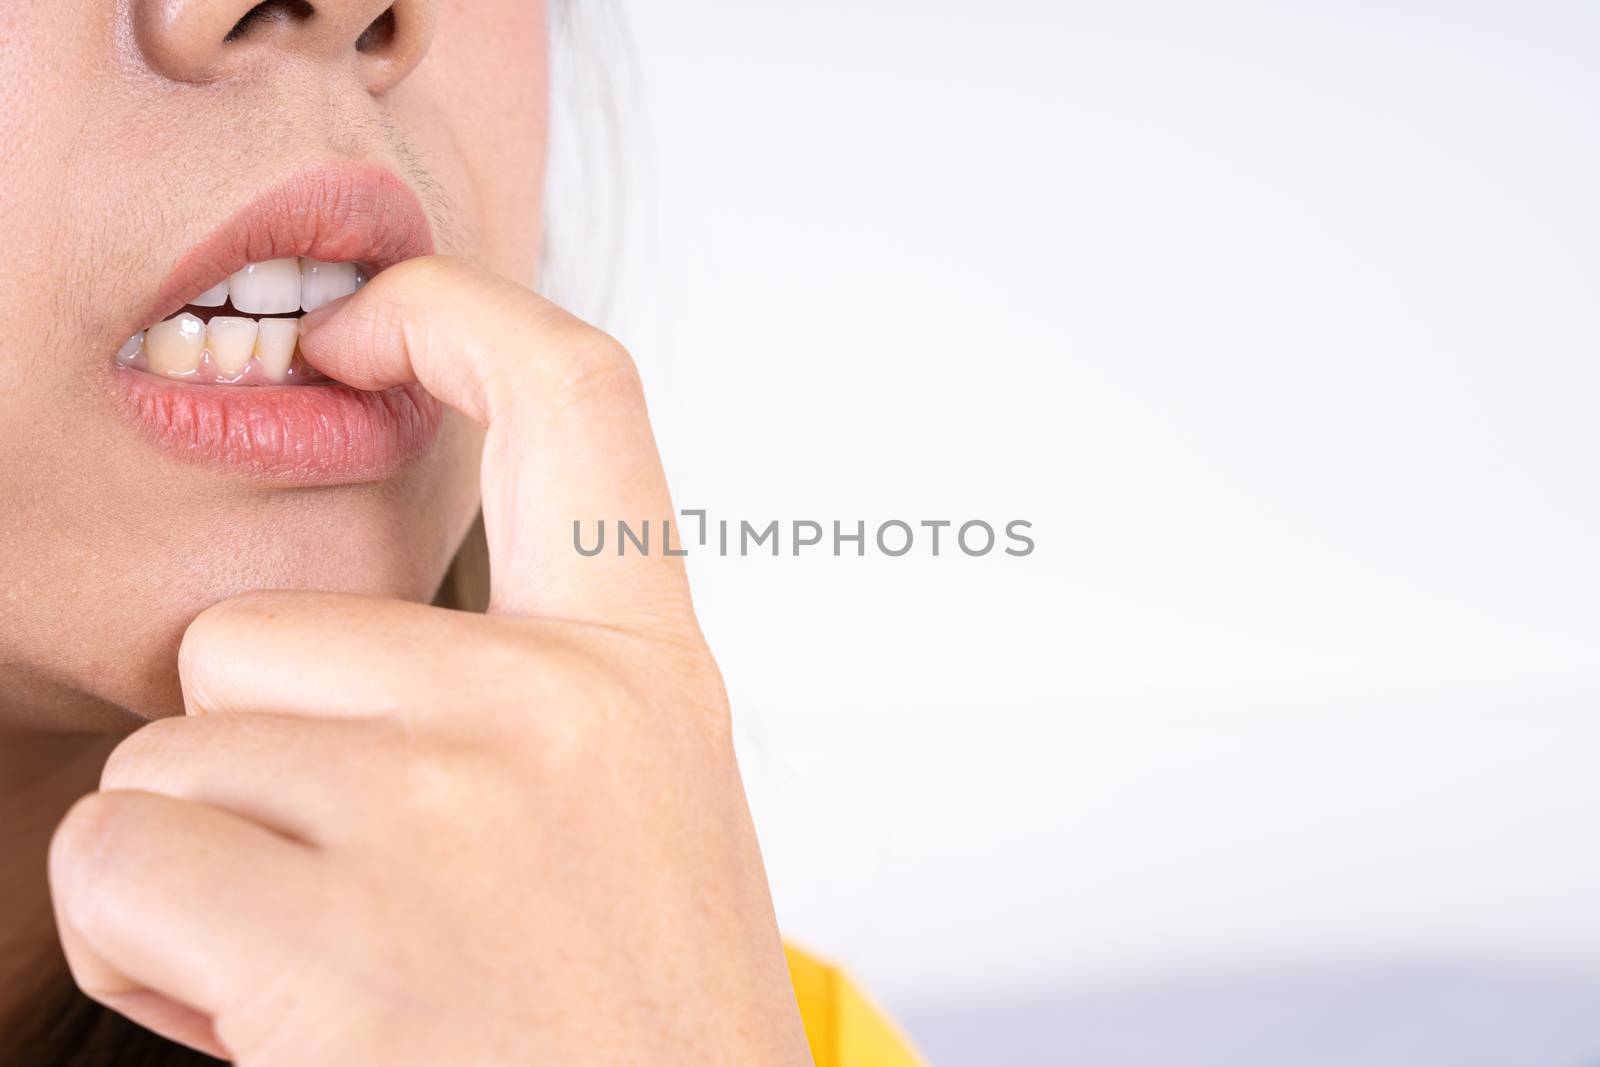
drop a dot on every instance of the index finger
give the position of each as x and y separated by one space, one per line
567 436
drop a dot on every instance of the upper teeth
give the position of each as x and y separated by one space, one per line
213 297
280 286
269 288
235 349
322 282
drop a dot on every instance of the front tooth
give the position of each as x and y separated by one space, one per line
321 282
213 297
174 347
275 347
269 288
232 342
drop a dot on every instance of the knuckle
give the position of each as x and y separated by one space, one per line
434 777
588 697
611 367
560 697
213 638
78 829
564 699
687 688
598 369
136 762
707 696
80 849
554 698
217 623
200 643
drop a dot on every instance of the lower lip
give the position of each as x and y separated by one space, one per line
301 434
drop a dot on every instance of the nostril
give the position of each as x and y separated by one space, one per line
378 36
271 10
379 42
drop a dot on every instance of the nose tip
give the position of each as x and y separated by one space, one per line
206 40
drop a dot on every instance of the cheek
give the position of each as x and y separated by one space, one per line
43 106
108 550
478 109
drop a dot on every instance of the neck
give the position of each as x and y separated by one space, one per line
40 776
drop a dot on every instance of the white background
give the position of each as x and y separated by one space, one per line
1278 321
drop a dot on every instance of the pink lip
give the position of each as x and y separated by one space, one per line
307 434
301 434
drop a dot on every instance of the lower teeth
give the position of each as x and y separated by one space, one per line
228 350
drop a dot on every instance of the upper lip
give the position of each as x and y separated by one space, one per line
345 212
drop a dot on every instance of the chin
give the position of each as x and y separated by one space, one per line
96 641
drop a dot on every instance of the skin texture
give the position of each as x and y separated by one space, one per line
153 164
384 832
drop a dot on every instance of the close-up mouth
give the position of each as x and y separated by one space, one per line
245 329
213 373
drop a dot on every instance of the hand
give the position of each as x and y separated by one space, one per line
386 833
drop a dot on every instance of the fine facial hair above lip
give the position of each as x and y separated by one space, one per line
135 227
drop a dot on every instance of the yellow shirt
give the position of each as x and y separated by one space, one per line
844 1028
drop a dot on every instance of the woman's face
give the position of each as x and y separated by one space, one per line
142 143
